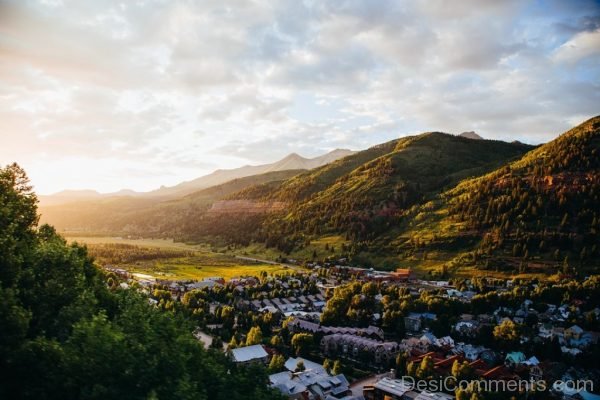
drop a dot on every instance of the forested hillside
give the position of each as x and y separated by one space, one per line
430 202
363 195
436 202
538 214
69 332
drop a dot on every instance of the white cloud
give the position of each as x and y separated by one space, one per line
582 45
113 89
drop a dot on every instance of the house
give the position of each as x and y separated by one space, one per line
470 352
425 395
413 344
292 363
413 322
312 383
558 333
514 358
536 373
428 338
249 354
467 328
488 356
531 361
545 331
574 332
445 342
387 388
569 350
300 325
398 389
402 274
585 340
359 348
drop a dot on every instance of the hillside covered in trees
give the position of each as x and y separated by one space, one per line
436 202
360 196
538 214
69 332
442 204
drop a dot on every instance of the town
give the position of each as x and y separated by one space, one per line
340 332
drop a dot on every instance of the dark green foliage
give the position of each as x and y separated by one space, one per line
66 335
365 194
538 214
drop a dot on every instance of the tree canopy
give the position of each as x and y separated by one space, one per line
67 334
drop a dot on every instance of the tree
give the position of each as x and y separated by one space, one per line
66 335
300 366
302 343
461 371
217 343
277 363
425 369
411 369
233 343
254 336
401 359
17 220
337 368
277 342
327 364
507 333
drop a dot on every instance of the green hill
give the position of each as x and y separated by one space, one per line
435 202
362 195
537 214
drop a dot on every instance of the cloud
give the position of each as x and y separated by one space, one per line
176 89
582 45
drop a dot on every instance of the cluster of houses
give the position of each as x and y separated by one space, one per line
291 306
311 381
302 379
366 345
552 325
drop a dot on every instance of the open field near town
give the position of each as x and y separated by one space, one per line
166 259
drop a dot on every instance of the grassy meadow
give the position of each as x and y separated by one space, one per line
323 247
165 259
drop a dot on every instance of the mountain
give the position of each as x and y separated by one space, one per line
290 162
144 215
538 214
471 135
445 204
435 202
67 196
359 196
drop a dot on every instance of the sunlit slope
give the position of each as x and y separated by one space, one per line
537 214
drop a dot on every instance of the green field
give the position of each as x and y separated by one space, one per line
324 247
166 259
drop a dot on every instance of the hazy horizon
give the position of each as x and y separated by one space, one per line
109 95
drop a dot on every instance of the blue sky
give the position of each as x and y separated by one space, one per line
109 95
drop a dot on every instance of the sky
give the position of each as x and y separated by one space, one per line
137 94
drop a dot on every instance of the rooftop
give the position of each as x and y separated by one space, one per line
248 353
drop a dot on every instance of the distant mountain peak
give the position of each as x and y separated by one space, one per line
470 135
293 156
